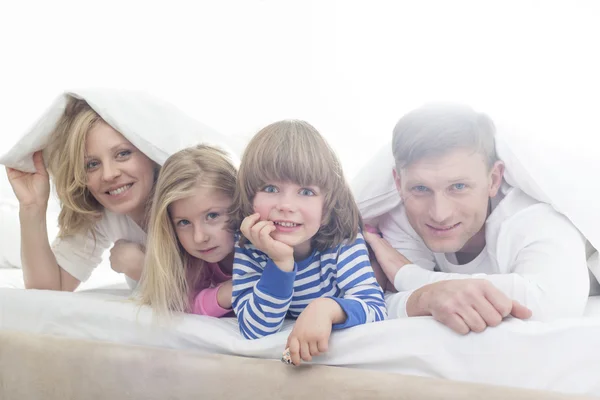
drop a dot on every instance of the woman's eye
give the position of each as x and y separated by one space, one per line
91 164
124 153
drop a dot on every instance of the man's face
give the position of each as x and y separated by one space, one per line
446 198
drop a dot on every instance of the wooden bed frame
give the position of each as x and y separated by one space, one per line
54 368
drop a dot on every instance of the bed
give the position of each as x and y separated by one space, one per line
35 366
562 356
96 343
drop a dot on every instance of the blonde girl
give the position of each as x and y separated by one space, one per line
190 246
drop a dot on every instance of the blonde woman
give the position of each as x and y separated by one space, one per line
302 253
190 246
104 184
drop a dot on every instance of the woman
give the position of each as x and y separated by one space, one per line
104 183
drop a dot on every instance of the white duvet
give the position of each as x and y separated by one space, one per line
561 356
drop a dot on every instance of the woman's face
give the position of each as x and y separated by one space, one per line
119 176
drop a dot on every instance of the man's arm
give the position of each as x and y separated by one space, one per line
547 270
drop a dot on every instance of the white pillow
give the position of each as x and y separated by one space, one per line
374 188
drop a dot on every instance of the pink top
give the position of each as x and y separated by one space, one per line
206 288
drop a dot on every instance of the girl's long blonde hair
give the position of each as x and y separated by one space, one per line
294 151
166 279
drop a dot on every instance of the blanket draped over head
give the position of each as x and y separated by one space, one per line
156 127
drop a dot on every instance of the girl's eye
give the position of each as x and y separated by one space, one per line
183 222
124 153
91 164
270 189
307 192
212 215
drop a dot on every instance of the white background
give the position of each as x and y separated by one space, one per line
351 68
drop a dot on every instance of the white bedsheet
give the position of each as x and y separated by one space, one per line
103 278
562 356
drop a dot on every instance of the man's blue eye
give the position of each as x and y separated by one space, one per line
420 188
459 186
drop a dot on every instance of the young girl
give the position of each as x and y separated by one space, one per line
301 253
190 247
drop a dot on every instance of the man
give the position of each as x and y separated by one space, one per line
464 246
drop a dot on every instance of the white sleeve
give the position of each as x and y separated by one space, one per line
547 266
396 304
79 254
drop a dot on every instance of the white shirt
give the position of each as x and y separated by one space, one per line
79 254
533 254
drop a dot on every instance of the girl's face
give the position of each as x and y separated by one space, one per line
119 176
200 222
297 212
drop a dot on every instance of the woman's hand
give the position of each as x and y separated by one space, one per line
31 189
127 258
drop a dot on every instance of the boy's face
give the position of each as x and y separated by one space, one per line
447 197
296 211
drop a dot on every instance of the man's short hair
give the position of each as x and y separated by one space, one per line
436 129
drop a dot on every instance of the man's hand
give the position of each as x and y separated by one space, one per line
380 276
388 258
465 305
310 336
127 258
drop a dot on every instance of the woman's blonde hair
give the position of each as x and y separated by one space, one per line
167 279
66 164
294 151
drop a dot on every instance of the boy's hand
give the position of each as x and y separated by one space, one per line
310 336
259 233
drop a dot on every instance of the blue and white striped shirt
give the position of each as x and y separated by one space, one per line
263 295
